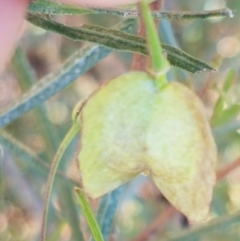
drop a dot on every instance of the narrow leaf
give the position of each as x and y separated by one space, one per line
75 66
119 41
226 115
229 81
219 106
70 211
229 127
89 215
108 218
27 78
57 158
23 152
183 60
102 208
47 7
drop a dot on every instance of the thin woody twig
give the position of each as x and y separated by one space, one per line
139 62
157 224
206 86
222 173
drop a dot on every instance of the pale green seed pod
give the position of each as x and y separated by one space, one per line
131 126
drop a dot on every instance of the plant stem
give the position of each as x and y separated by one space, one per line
159 63
66 141
140 62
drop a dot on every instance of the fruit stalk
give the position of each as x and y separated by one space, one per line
159 63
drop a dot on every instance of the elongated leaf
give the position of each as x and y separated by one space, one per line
220 131
70 211
221 224
23 152
219 106
57 158
89 215
75 66
27 78
108 218
18 149
103 204
226 115
119 41
47 7
183 60
228 84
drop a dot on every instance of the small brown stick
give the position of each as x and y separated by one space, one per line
140 62
206 86
157 224
227 169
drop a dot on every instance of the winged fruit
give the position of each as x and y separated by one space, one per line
131 126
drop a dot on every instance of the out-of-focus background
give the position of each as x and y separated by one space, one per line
29 143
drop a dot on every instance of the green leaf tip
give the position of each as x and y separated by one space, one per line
89 215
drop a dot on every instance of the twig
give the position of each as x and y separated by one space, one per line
157 224
227 169
206 86
139 61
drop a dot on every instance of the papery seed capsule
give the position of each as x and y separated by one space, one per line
181 151
131 126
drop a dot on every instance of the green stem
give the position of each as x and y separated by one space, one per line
89 215
66 141
159 63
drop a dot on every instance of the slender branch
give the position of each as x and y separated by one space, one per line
222 173
157 224
206 86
